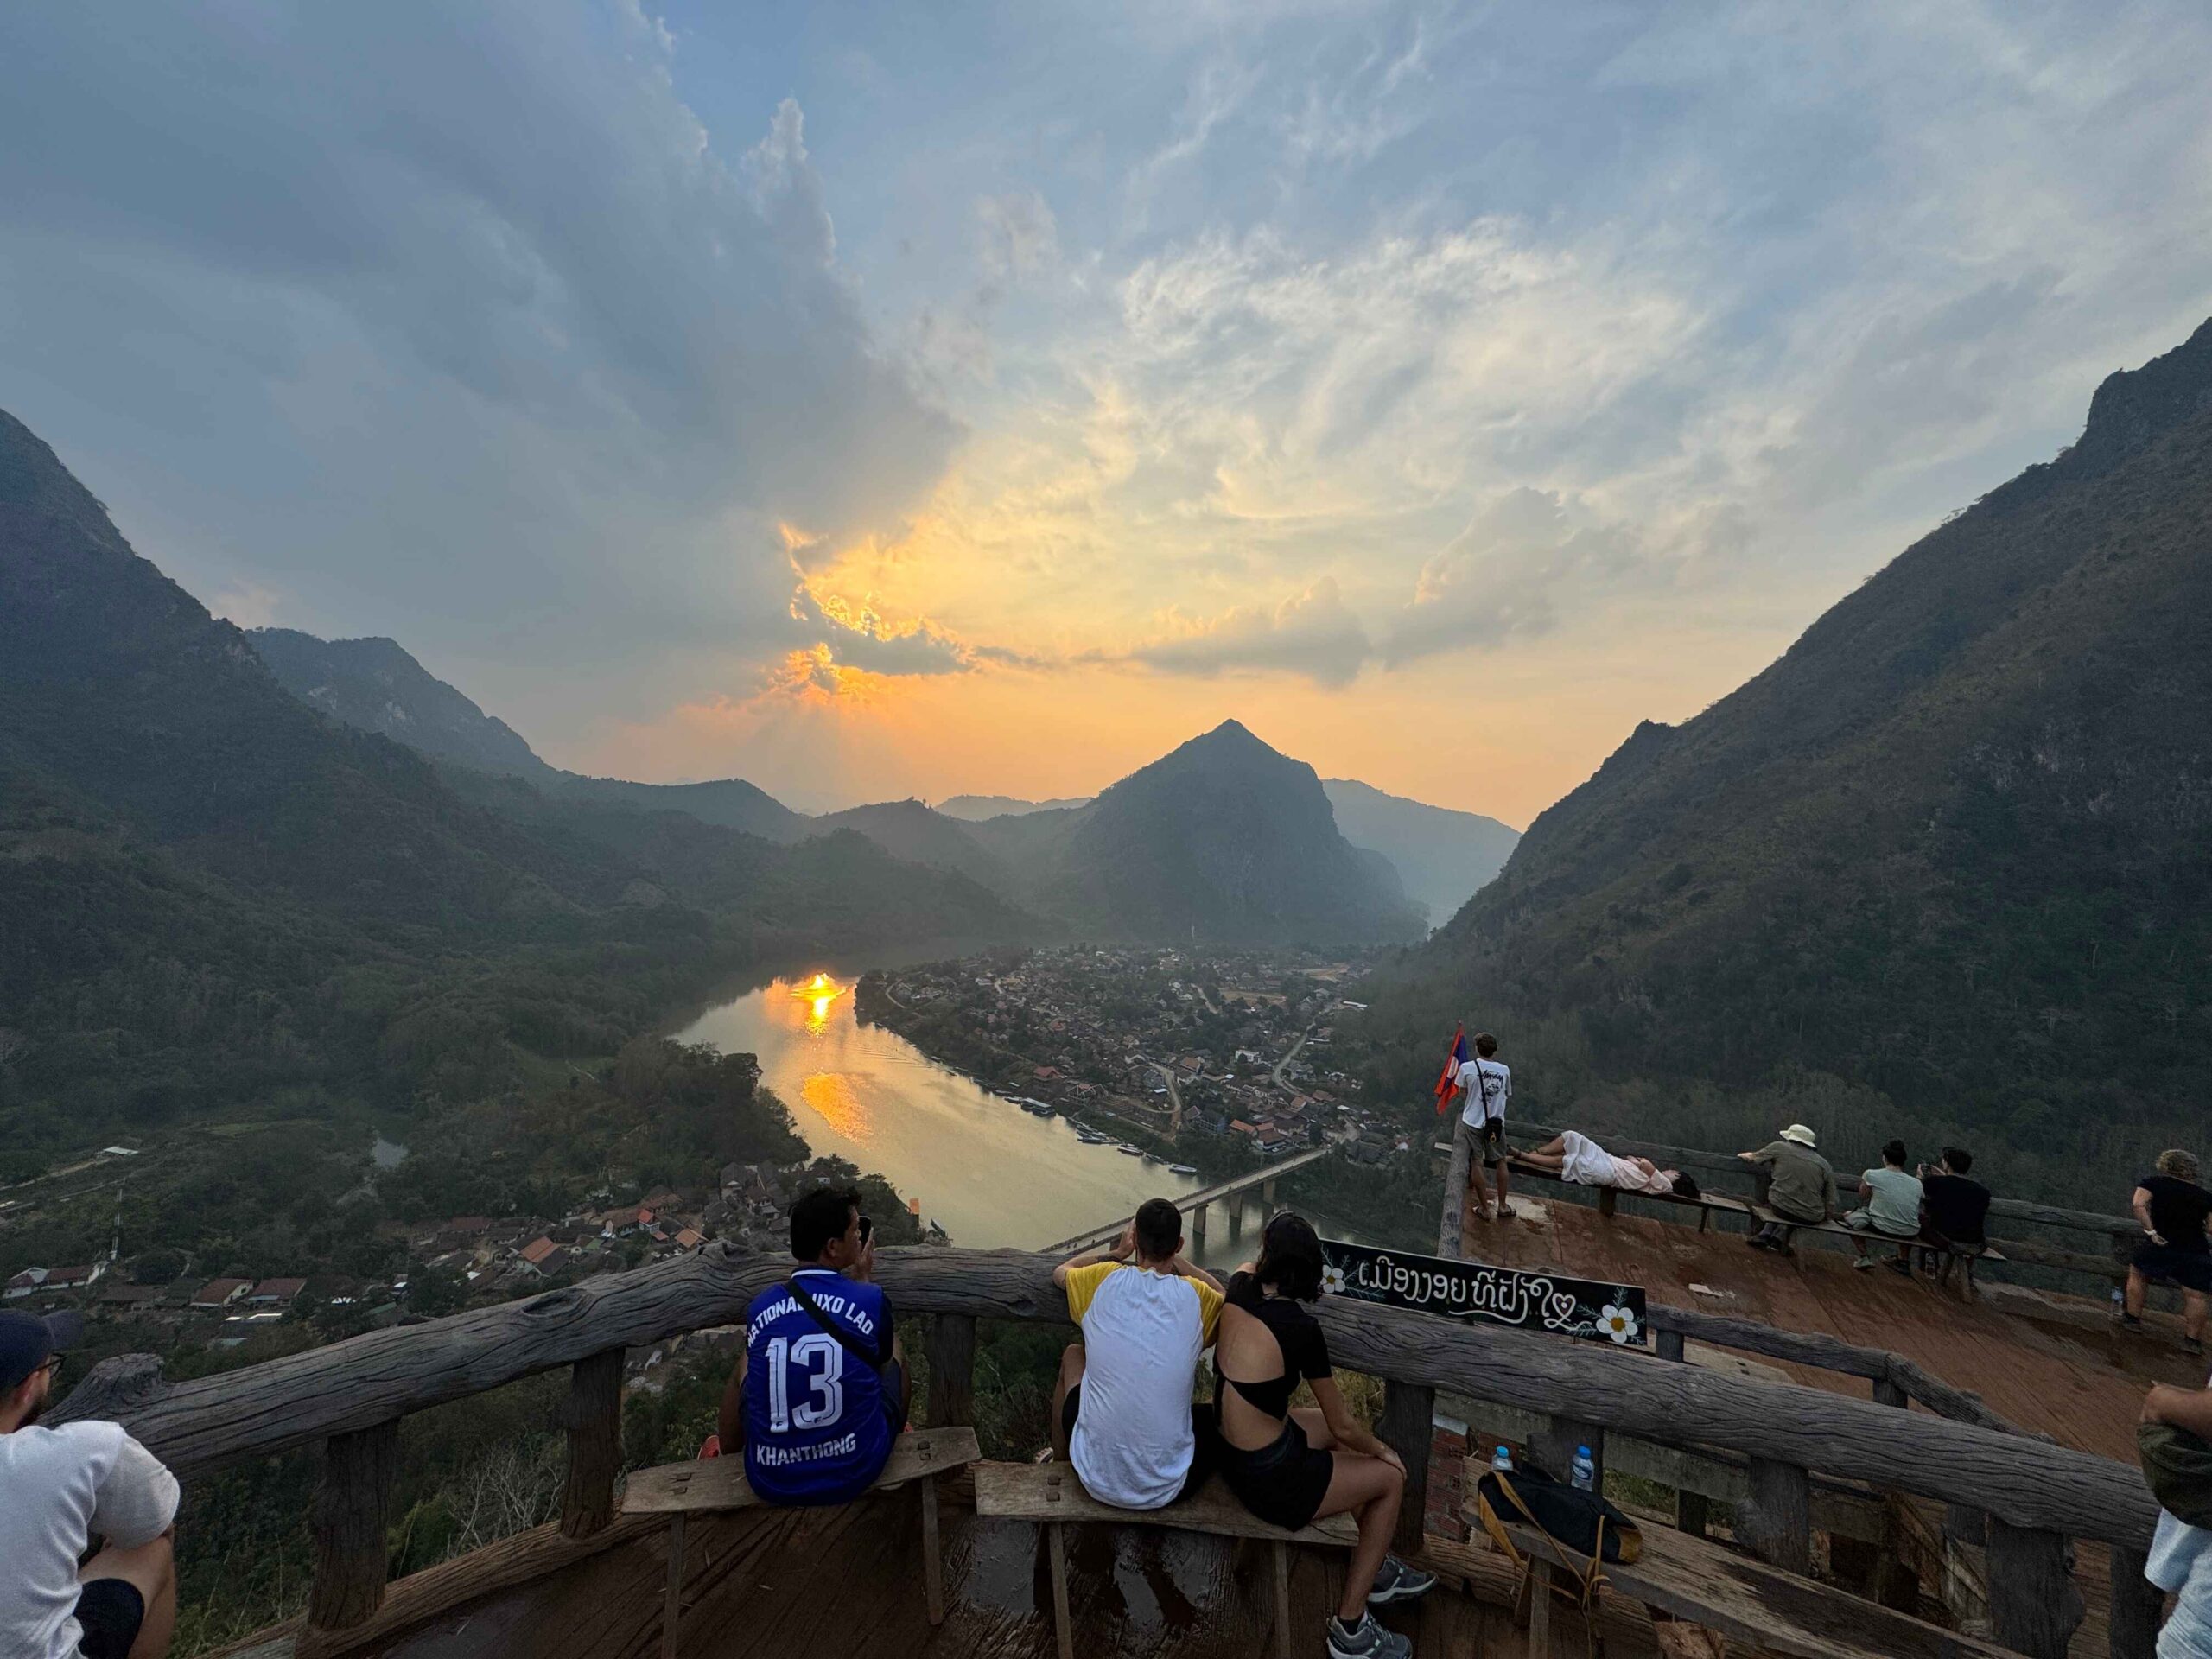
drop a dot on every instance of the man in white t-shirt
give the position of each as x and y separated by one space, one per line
1489 1083
61 1488
1122 1412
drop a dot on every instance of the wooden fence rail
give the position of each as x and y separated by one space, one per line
350 1395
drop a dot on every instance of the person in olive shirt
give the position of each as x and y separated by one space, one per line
2177 1250
1798 1186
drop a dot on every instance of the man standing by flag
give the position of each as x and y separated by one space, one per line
1487 1082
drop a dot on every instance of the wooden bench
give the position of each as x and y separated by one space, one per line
1772 1610
1050 1495
712 1483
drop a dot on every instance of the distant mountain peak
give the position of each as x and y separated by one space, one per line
2133 407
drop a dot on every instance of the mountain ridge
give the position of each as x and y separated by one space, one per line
1946 852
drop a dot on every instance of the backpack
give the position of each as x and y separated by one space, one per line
1570 1520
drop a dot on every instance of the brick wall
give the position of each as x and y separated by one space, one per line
1447 1480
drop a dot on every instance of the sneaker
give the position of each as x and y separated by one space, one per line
1395 1581
1366 1640
1903 1269
1760 1242
2189 1345
1864 1264
2131 1322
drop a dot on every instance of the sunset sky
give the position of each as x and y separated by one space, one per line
919 399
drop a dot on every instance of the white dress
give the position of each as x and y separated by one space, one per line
1587 1164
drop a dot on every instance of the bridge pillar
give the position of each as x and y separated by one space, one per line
1268 1196
1198 1227
1235 1217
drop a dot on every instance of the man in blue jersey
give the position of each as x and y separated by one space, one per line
820 1392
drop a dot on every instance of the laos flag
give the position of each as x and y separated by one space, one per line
1455 1062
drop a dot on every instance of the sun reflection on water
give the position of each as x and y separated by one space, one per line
818 993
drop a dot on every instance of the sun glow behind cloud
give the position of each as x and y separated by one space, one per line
1438 391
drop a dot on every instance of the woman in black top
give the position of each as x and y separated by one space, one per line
2177 1215
1290 1467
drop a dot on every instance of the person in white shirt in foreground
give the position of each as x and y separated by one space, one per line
60 1489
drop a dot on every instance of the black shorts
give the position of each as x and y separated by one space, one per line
1204 1438
111 1611
2190 1269
1282 1482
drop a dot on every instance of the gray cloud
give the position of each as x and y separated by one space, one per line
445 323
1312 634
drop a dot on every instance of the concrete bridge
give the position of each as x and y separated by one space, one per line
1194 1204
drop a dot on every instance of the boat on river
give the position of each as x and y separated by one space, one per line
1182 1169
1129 1150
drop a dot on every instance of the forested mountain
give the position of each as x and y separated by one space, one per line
1223 840
1442 855
376 685
211 896
1945 866
1238 842
973 809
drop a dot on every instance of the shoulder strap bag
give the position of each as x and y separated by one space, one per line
846 1339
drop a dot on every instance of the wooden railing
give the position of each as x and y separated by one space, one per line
350 1397
2116 1235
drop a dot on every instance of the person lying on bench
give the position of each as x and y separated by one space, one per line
820 1392
1121 1410
1953 1210
1795 1182
2176 1249
1891 1209
1577 1158
1290 1467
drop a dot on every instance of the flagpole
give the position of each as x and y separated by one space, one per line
1455 1177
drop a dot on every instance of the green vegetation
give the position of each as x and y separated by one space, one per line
1941 871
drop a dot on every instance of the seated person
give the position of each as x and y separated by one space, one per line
1577 1158
820 1392
1290 1467
1953 1210
65 1487
1795 1182
1891 1209
2177 1215
1122 1411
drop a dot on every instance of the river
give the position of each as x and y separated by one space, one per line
983 1168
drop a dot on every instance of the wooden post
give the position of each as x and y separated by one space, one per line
1280 1552
1555 1448
951 1350
1777 1521
1455 1198
2033 1605
592 1416
932 1553
1608 1201
1670 1346
1540 1609
1690 1511
2137 1605
1887 1392
1056 1547
671 1608
347 1520
1407 1427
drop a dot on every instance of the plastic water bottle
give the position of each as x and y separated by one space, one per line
1503 1461
2119 1301
1584 1475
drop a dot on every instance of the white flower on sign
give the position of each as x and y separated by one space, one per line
1618 1323
1332 1281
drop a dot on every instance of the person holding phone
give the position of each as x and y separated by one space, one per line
819 1394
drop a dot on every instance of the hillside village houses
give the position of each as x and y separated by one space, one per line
1231 1043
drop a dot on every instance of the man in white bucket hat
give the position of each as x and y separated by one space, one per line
1795 1182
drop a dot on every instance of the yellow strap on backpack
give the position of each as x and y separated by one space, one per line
1591 1577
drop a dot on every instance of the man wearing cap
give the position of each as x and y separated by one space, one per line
61 1488
1795 1182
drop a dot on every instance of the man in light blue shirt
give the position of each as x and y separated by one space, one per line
1891 1210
